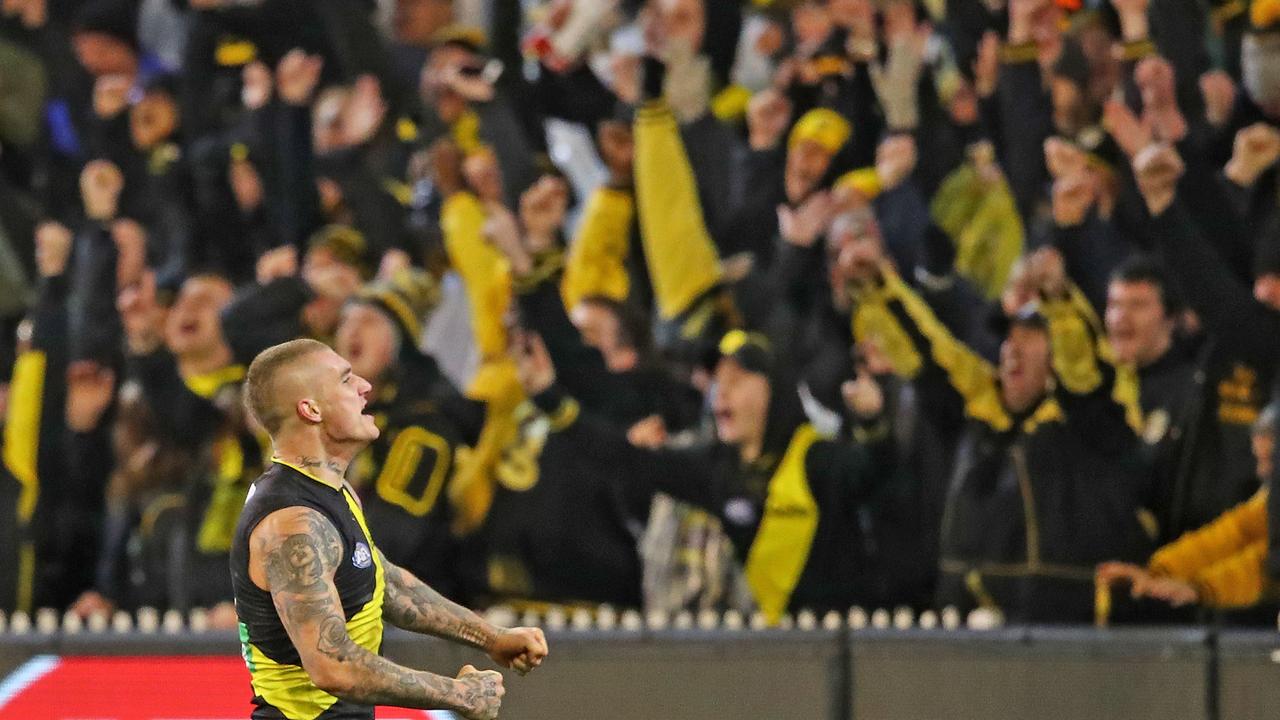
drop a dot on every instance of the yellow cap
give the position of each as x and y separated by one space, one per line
864 180
826 127
235 52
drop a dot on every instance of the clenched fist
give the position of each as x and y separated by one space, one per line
481 693
542 209
1157 169
1256 149
768 114
100 185
53 248
1073 195
521 649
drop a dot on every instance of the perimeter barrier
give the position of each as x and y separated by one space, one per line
711 668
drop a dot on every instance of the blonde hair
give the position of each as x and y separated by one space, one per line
260 381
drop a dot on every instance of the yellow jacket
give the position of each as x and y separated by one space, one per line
682 259
598 256
1224 559
487 277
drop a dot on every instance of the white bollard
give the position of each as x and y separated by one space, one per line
857 618
500 615
198 620
708 619
530 618
581 620
985 619
632 621
903 618
732 620
807 621
19 623
928 620
98 622
950 618
172 622
758 621
555 619
656 620
121 622
683 620
831 621
72 623
606 618
880 619
46 621
148 620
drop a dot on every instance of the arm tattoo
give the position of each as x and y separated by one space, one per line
411 604
302 563
299 571
378 681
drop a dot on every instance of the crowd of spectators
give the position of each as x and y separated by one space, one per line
666 304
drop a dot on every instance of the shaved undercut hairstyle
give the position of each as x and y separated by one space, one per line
260 382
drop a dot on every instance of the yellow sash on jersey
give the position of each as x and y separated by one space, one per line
781 548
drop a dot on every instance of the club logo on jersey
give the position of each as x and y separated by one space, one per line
362 558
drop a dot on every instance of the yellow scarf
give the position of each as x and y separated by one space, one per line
781 548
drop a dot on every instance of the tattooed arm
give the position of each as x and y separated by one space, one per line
412 605
293 554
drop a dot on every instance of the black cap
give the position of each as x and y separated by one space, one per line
750 350
115 18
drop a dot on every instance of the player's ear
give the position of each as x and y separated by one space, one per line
309 410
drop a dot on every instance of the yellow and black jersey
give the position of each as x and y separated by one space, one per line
281 687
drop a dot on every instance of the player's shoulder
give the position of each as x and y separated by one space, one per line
294 520
283 500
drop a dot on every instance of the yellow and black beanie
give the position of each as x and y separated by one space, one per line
407 297
347 244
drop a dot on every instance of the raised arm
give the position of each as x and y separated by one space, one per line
916 342
1225 304
412 605
682 258
294 554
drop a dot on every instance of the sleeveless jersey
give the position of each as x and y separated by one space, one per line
282 689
